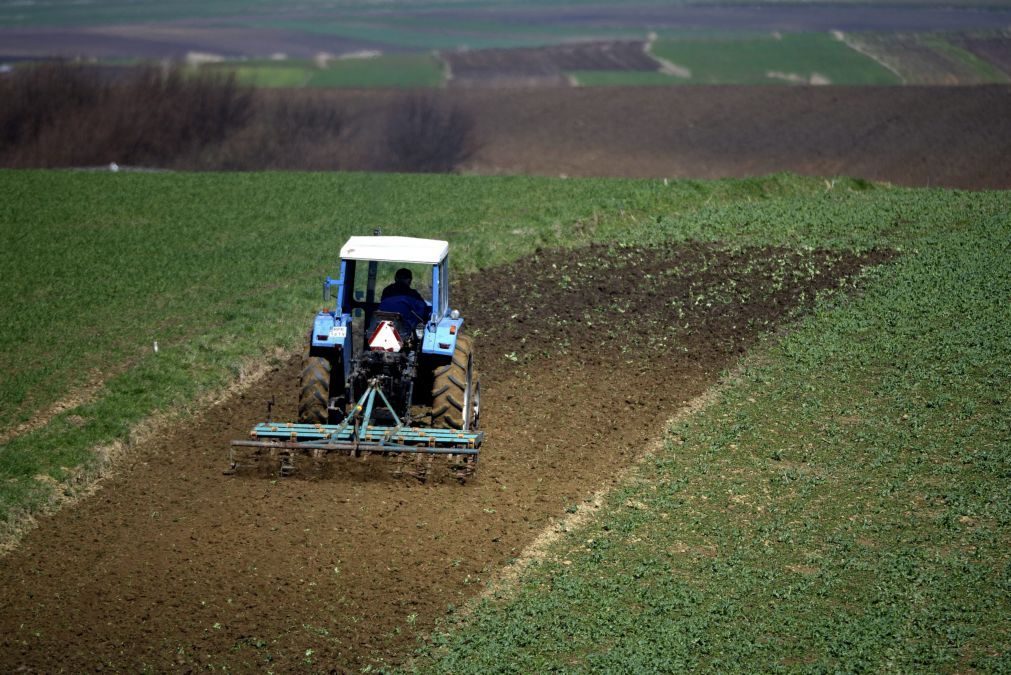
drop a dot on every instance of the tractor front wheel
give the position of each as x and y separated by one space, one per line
456 390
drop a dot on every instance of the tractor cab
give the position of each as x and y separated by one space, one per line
368 266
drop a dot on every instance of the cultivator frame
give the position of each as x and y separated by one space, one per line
356 436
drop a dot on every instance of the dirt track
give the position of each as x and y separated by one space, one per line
173 566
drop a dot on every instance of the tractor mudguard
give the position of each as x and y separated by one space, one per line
329 331
440 338
332 333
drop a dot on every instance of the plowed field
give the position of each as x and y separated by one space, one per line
546 66
920 136
172 566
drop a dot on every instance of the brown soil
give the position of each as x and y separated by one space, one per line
544 65
922 136
171 40
173 566
925 136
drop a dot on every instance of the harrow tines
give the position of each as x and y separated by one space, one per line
357 438
287 458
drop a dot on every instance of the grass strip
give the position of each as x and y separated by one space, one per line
843 506
622 78
386 70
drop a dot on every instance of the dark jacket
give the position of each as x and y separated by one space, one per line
397 288
406 302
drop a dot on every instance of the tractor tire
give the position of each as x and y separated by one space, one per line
456 390
314 390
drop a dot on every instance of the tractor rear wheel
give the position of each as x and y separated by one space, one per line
456 390
314 390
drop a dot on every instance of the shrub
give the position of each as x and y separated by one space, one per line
68 115
425 136
284 133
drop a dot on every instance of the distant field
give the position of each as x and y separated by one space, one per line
932 58
993 49
408 70
248 29
706 58
816 58
711 58
982 70
471 12
620 78
446 34
387 70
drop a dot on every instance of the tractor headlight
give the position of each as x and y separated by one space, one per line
454 315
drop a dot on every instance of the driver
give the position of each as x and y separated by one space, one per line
399 297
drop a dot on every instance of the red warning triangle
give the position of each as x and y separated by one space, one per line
385 338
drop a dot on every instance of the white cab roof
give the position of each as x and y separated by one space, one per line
395 249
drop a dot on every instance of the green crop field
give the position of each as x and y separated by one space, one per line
387 70
768 60
280 74
620 78
394 70
841 505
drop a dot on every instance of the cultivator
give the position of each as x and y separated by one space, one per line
415 448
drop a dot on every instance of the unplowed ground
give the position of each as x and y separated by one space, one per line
174 567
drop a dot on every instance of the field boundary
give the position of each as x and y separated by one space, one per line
667 67
504 582
859 49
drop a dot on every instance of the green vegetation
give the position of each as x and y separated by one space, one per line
395 70
277 74
400 70
842 506
620 78
222 268
801 57
409 36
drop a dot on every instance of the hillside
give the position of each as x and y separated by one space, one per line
601 309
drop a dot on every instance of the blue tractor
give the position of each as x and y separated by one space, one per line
391 375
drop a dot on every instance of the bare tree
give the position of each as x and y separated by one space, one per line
425 136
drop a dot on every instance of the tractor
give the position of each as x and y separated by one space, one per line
375 369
